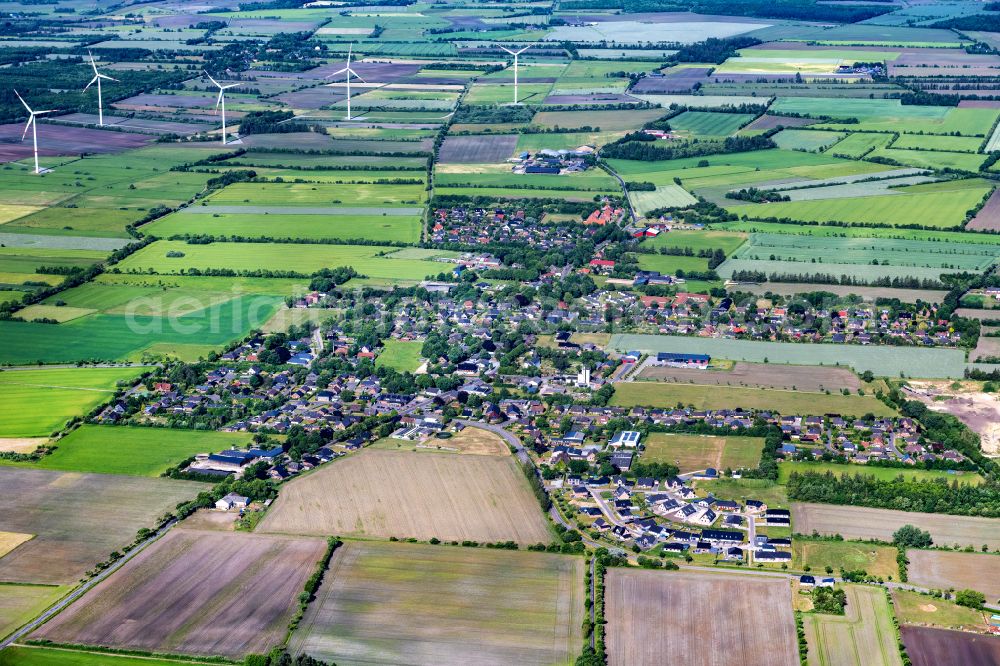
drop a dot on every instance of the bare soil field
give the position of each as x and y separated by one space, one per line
389 603
940 569
412 494
698 618
210 519
195 592
21 444
761 375
78 519
865 629
855 522
986 347
867 293
978 410
934 647
65 140
477 149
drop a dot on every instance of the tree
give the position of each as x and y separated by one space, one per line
970 599
910 536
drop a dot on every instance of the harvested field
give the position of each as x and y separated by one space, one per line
933 647
698 618
988 217
412 494
418 604
477 149
855 522
78 519
11 540
941 569
760 375
215 594
864 635
65 140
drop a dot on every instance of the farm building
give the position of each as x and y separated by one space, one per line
627 438
678 360
232 501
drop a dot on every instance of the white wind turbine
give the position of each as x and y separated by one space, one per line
34 127
97 79
349 72
221 101
515 54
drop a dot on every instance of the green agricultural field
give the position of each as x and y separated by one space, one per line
939 209
850 555
519 193
697 452
816 251
668 264
767 491
399 355
652 394
594 179
31 259
960 144
699 240
502 93
803 139
605 120
274 256
131 451
24 655
39 402
931 159
132 336
866 628
389 228
19 604
664 196
859 232
306 194
709 123
882 473
881 360
568 141
860 144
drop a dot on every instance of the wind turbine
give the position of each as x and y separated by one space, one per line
97 79
222 101
515 54
349 72
34 127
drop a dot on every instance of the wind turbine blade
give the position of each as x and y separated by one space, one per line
231 85
107 78
339 71
211 79
38 113
92 82
504 48
219 101
351 71
350 51
524 49
27 126
92 62
23 102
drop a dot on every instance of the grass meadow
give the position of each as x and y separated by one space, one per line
38 402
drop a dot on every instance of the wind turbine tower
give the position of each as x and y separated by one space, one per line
350 72
97 79
221 102
515 54
34 127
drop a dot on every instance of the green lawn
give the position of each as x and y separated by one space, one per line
883 473
132 451
699 240
850 555
654 394
916 608
400 355
696 452
667 264
767 491
38 402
